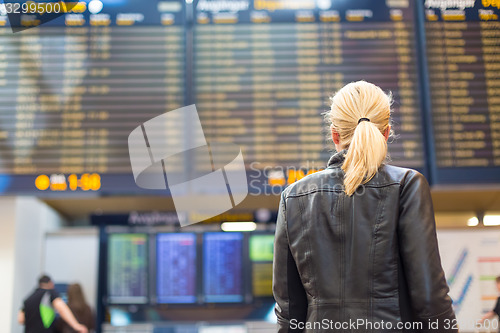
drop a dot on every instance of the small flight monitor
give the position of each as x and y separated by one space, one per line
222 267
128 269
176 268
261 249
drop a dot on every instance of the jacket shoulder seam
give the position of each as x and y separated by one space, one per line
296 195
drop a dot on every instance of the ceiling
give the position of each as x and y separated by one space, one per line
453 206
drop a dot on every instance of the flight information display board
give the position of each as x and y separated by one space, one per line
176 268
260 73
261 250
223 267
263 72
127 269
72 90
463 54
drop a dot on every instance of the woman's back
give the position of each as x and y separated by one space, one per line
357 261
81 310
84 316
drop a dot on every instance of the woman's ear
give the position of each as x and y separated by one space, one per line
387 132
335 136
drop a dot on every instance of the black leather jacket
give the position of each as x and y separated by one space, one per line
365 263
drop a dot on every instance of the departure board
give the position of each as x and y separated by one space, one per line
260 73
73 89
264 72
127 269
261 250
223 267
176 268
463 54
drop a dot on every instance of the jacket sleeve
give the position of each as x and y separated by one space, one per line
291 300
419 252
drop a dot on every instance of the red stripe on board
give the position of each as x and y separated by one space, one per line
489 259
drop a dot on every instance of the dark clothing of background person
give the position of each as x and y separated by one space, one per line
371 256
497 307
497 310
84 317
38 311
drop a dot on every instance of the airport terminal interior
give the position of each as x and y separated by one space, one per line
144 145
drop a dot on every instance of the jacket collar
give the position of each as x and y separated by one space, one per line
337 159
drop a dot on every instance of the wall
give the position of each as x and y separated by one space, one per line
33 219
71 255
7 236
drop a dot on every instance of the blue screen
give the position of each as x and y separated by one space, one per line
222 267
176 268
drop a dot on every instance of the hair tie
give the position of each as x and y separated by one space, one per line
363 119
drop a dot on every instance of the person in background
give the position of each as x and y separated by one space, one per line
39 310
496 310
80 308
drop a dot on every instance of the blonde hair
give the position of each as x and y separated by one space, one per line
364 140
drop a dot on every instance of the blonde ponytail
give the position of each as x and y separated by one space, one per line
360 114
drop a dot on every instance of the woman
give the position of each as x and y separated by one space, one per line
355 247
80 308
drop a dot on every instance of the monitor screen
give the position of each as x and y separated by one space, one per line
74 88
127 268
222 267
176 268
261 249
264 73
464 70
